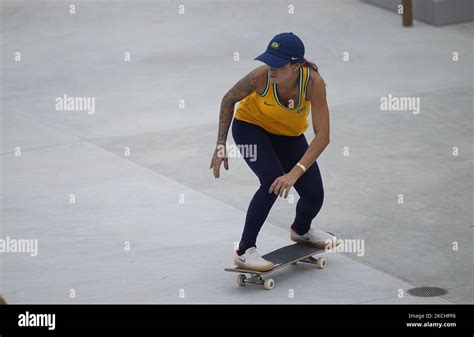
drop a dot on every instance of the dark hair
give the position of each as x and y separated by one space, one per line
310 64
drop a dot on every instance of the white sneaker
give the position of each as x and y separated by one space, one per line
317 238
252 260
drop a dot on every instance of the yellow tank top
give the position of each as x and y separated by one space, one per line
266 111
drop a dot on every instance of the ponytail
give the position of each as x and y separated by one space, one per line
310 65
313 66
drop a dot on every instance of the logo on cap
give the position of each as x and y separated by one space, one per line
275 45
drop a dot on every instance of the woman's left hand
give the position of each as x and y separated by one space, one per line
283 184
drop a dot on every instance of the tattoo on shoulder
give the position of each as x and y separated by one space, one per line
242 88
239 91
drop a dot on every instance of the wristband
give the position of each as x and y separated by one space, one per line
301 166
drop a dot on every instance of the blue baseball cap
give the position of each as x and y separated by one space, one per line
282 49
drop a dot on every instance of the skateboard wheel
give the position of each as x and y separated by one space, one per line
241 279
321 263
294 263
269 284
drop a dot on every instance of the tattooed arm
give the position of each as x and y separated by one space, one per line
251 82
248 84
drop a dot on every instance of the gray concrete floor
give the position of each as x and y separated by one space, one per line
178 250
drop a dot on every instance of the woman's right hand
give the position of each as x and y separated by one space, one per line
219 156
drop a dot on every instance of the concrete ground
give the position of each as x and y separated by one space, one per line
150 224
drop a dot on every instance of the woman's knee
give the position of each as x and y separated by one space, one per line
315 193
268 180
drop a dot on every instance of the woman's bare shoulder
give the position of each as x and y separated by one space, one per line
315 80
261 74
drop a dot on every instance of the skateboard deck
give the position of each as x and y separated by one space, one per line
281 257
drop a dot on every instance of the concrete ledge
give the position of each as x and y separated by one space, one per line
434 12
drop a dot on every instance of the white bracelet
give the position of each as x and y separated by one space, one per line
301 166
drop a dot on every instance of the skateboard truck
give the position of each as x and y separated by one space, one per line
320 263
242 279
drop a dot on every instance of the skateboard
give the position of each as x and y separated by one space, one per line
282 257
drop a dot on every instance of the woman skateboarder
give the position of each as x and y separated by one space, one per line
275 101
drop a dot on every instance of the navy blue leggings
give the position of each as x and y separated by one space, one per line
275 156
